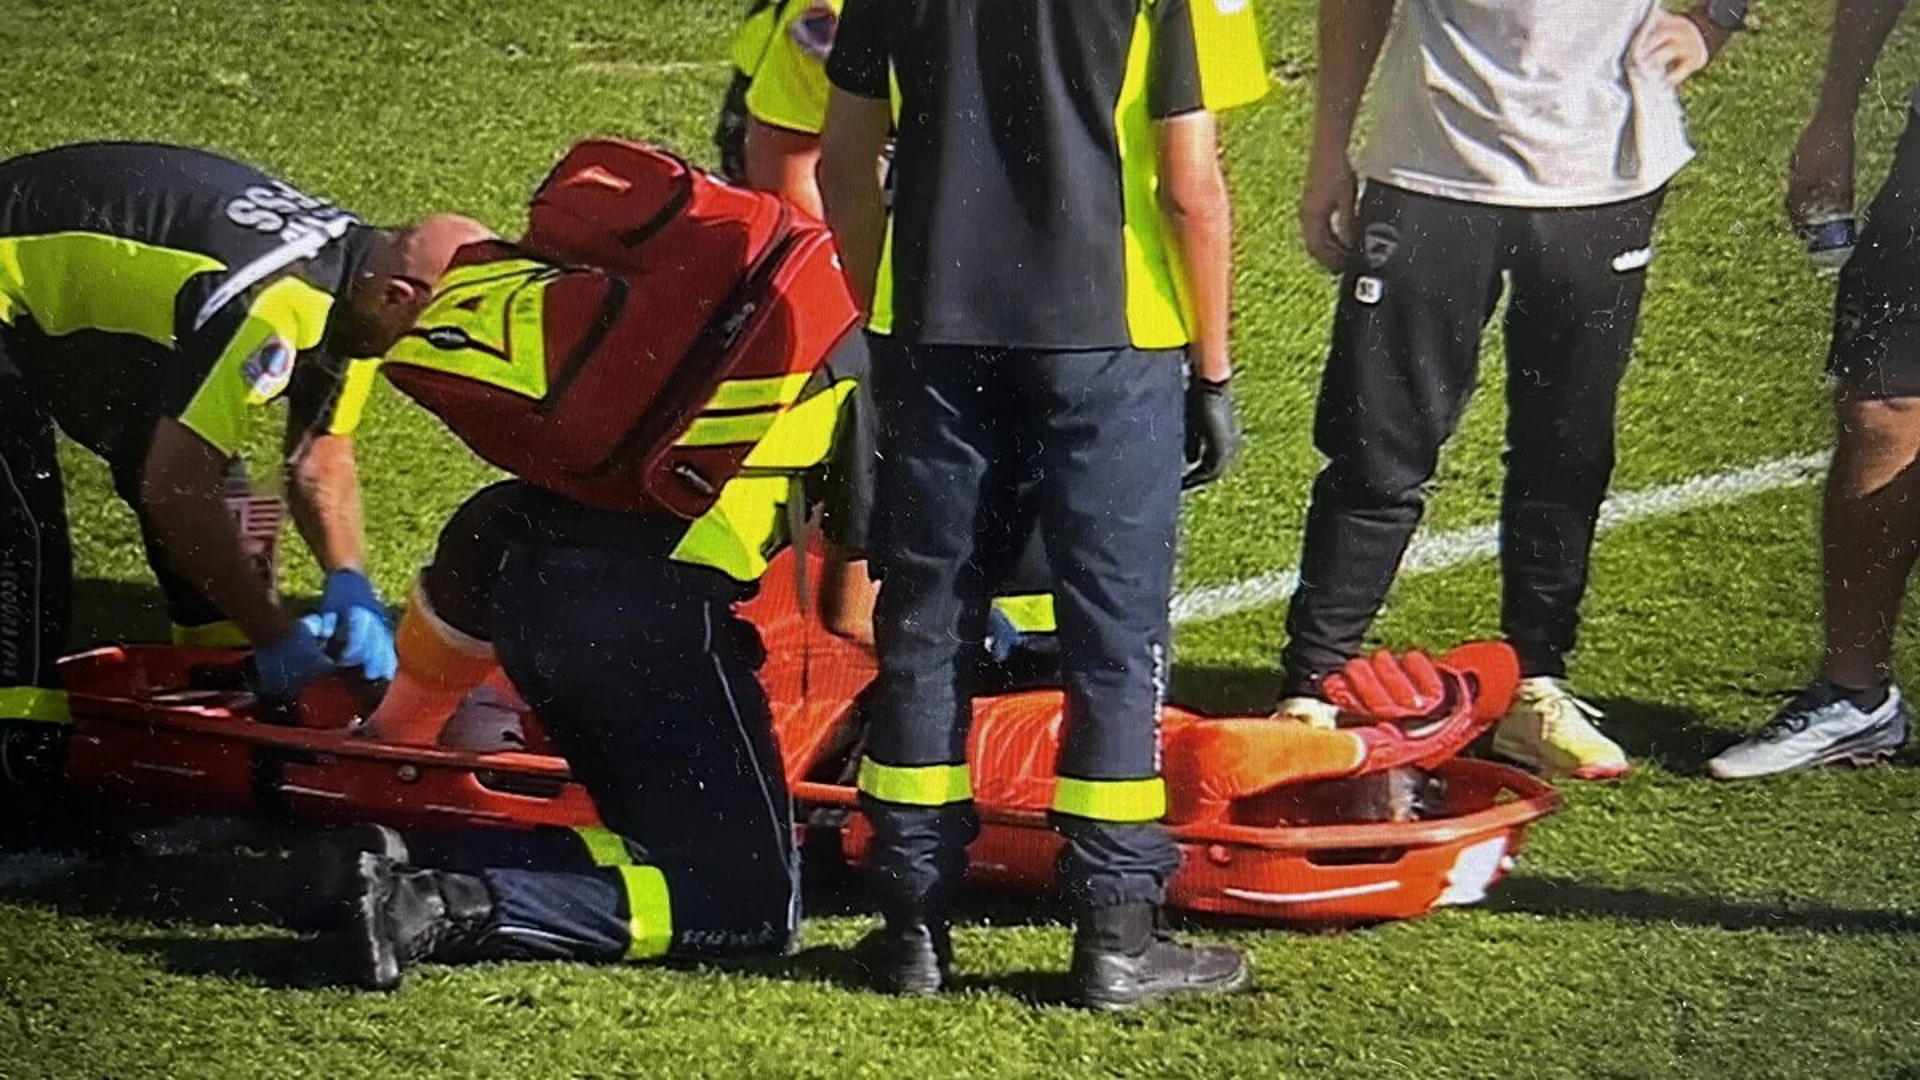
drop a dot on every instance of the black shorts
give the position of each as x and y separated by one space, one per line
1876 327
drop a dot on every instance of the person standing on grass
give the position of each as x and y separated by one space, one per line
769 139
1870 524
1524 146
1060 249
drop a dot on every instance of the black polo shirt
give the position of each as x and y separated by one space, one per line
1024 207
140 280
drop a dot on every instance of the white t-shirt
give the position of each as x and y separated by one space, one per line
1537 103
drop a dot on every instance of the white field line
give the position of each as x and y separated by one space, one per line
1429 553
1434 552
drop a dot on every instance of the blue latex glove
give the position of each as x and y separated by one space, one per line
290 665
353 623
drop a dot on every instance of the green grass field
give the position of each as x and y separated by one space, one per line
1664 926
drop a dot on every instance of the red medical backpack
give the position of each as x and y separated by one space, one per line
676 317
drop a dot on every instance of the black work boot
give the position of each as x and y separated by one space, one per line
401 917
1121 959
326 875
910 956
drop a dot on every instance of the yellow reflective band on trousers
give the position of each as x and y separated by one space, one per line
217 635
34 703
747 522
56 278
1031 613
915 785
604 846
1120 801
649 912
649 909
1226 37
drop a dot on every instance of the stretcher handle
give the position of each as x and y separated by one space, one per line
221 723
1534 800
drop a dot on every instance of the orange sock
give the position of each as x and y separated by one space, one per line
438 666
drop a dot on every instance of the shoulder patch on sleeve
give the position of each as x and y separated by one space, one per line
268 371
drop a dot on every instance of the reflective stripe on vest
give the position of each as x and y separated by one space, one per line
746 523
915 785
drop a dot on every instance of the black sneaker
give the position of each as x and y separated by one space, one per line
1121 960
401 917
907 957
321 889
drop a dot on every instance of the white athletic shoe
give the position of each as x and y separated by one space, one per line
1550 731
1818 727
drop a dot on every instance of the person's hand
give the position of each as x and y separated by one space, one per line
284 668
1673 46
353 622
1820 173
1386 687
1326 210
1213 431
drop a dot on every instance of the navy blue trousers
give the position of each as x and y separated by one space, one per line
962 433
645 681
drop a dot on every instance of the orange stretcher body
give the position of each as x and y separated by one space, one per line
162 731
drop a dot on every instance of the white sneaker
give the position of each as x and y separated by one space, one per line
1311 711
1818 727
1551 732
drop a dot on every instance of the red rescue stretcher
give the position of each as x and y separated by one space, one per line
1268 816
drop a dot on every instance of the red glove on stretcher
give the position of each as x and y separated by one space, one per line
1422 713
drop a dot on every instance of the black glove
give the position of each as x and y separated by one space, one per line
1213 431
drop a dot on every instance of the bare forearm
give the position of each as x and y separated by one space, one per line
181 493
856 212
1860 31
1201 227
785 163
1351 32
323 495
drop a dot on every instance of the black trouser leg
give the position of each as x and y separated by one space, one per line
1577 281
646 685
1109 427
36 589
36 558
944 423
1406 343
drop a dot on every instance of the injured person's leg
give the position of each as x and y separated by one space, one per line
446 658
